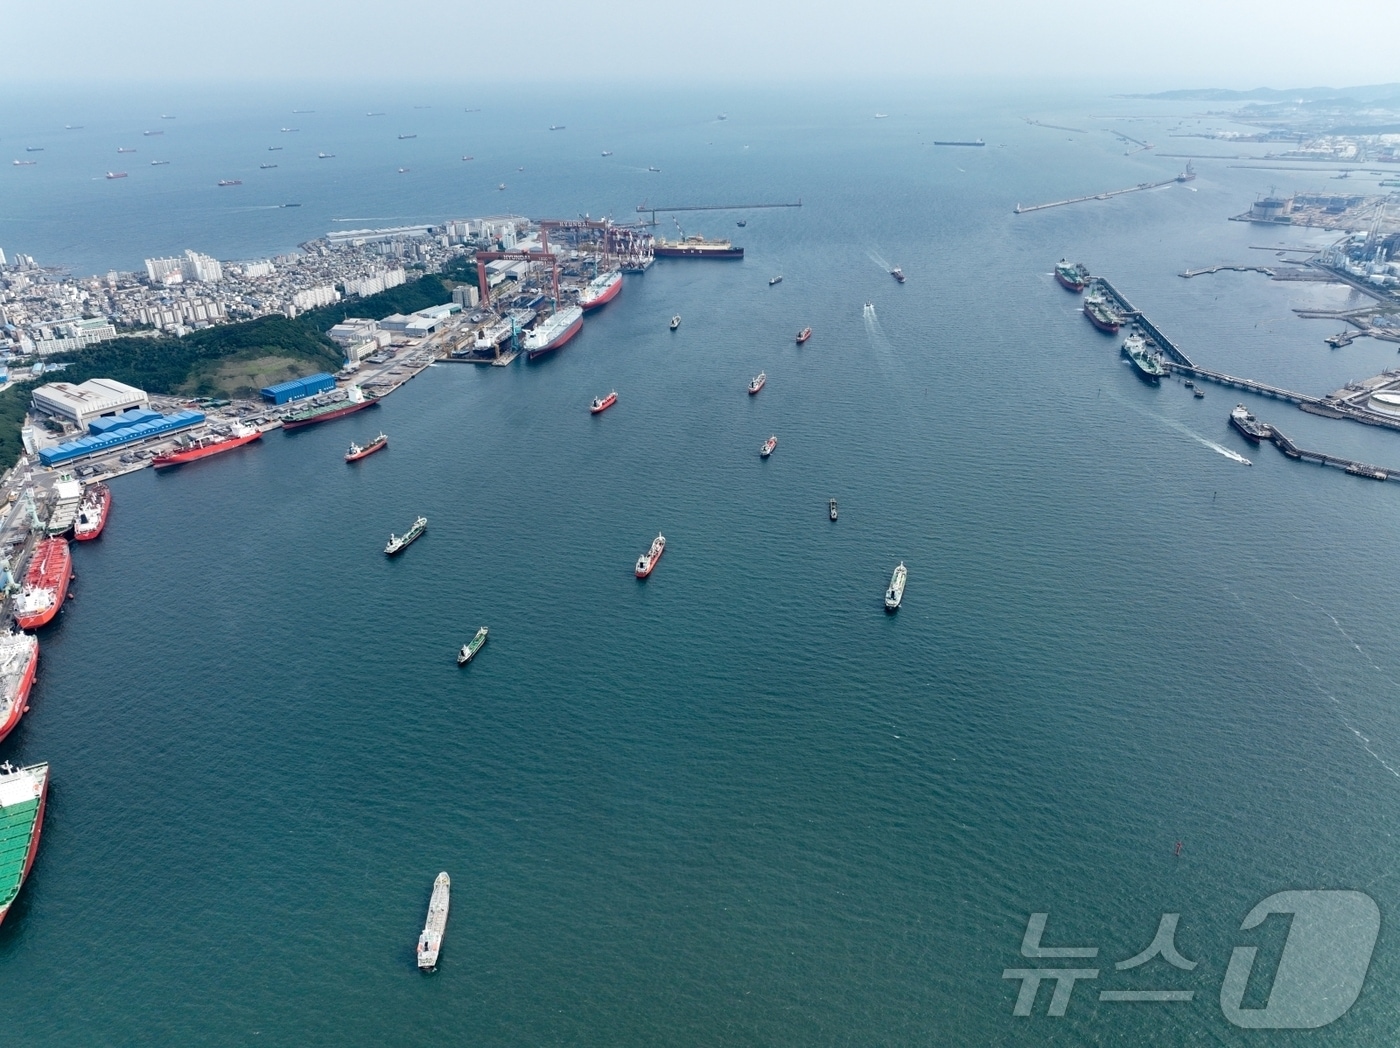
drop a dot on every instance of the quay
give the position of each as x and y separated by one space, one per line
1185 176
1355 468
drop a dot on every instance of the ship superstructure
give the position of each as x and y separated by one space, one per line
19 659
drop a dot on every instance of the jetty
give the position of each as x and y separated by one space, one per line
1189 273
1185 176
1301 454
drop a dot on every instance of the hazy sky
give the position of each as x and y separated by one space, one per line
1136 43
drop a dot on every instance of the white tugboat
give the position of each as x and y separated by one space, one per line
895 594
430 942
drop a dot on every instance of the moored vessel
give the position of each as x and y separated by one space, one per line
357 452
768 446
1073 276
697 247
398 543
19 659
554 332
600 291
1145 358
355 399
23 794
1101 314
45 584
758 382
831 509
92 512
646 563
1249 426
203 447
898 274
430 942
894 596
804 335
471 647
601 404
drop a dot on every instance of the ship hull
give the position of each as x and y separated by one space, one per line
1068 284
558 342
1107 327
58 569
610 293
180 458
83 529
1252 437
21 696
367 451
598 409
330 416
698 252
33 846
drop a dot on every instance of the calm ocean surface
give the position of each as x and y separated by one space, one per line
737 804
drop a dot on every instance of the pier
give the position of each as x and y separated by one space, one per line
1185 176
1189 273
1355 468
645 208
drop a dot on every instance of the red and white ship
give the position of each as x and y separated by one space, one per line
601 404
203 447
600 291
758 382
356 452
92 513
646 563
19 658
804 335
45 584
554 332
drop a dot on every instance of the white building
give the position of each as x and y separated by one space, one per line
253 270
202 268
160 270
375 282
465 296
91 400
352 331
74 335
316 296
181 312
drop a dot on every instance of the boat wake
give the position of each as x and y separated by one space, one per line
879 260
1187 431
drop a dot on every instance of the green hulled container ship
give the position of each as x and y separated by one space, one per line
23 792
354 400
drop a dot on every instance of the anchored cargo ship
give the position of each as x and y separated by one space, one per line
1145 358
45 584
1073 276
355 400
1252 429
768 446
894 596
92 512
19 658
356 452
203 447
646 563
600 291
554 332
697 247
430 942
398 543
472 646
1101 314
758 382
804 335
601 404
23 793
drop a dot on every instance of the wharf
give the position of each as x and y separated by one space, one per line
1189 273
1355 468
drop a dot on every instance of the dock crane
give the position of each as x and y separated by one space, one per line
482 257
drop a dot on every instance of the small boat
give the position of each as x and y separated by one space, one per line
501 186
404 170
398 543
230 181
125 149
266 167
607 152
741 223
768 446
430 942
757 383
148 134
471 647
881 116
775 280
357 452
898 274
325 156
723 116
895 594
289 130
402 137
1198 393
831 509
1189 384
273 149
804 335
468 158
25 163
675 322
115 174
556 127
653 169
646 563
601 404
159 163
